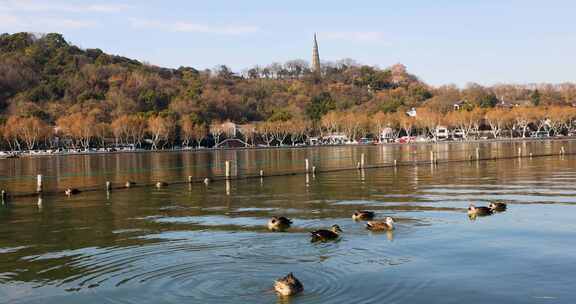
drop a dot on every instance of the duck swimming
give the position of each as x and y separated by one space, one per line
479 211
279 223
362 215
324 235
288 285
387 224
161 184
497 206
129 184
71 191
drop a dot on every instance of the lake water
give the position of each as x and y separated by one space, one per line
209 244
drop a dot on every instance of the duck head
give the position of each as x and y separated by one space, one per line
336 229
390 221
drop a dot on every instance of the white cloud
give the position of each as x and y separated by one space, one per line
193 27
43 6
7 21
106 8
15 24
354 36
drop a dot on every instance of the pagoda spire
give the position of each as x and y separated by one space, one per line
315 57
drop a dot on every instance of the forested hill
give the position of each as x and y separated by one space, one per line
46 77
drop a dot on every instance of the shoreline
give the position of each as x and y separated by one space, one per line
26 155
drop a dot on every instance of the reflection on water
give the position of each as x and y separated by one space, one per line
210 244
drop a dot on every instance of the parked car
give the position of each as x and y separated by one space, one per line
366 141
540 134
405 139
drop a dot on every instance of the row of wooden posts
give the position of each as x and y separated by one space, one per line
308 169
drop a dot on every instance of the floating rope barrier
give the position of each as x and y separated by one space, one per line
310 165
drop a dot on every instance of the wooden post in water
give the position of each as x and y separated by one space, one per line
395 163
362 160
4 197
530 154
261 177
520 152
477 153
431 157
39 183
227 173
307 164
562 151
313 170
190 179
108 186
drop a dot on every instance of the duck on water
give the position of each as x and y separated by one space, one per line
324 235
161 184
278 223
362 215
385 225
479 211
497 206
288 285
71 191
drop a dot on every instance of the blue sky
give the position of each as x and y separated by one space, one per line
440 41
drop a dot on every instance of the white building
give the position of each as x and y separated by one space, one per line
387 135
441 133
335 139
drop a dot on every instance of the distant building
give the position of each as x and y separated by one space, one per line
336 139
458 105
313 141
315 57
387 135
442 133
504 105
399 73
512 104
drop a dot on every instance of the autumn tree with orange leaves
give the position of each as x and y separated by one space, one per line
498 119
130 129
161 128
428 120
78 128
27 130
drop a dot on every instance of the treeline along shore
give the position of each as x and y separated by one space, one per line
54 95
